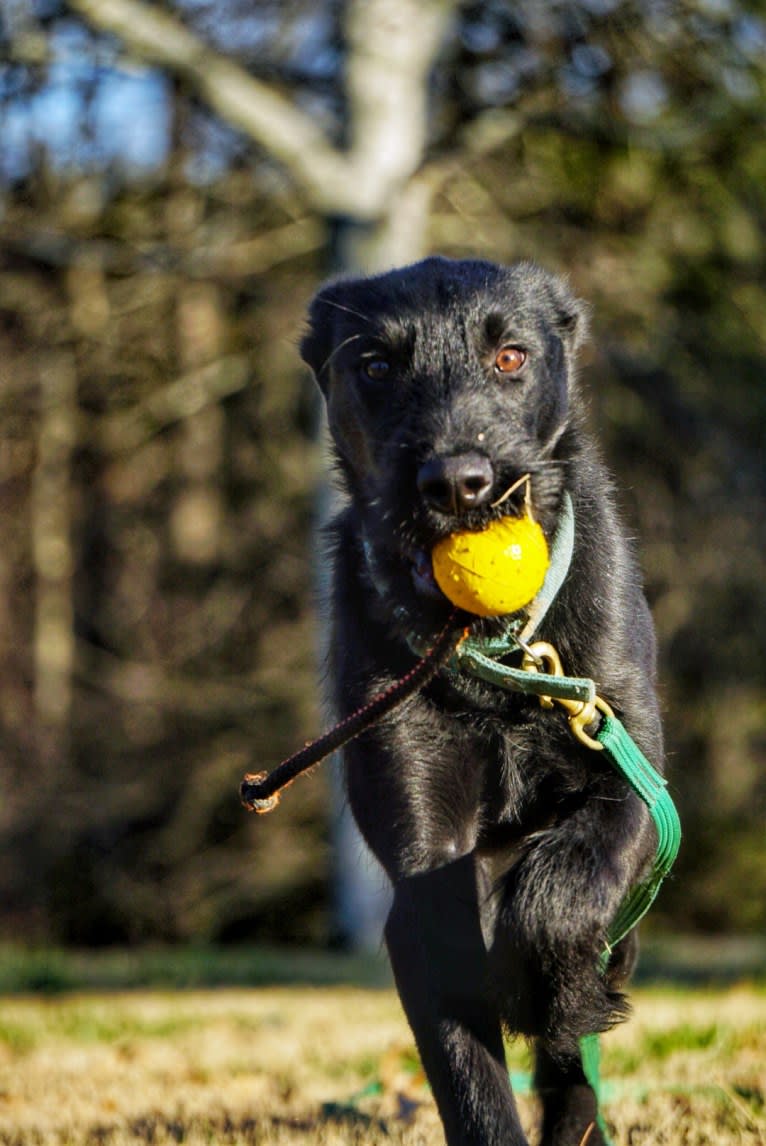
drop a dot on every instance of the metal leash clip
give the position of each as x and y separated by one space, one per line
543 657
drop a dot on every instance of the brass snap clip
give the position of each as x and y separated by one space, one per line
543 657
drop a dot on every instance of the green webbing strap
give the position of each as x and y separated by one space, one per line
647 783
518 680
651 787
562 549
590 1053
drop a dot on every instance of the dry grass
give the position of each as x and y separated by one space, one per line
277 1067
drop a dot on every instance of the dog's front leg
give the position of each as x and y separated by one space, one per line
439 960
570 1108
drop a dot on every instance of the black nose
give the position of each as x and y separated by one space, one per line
451 484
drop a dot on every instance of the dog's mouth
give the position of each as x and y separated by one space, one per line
409 558
422 574
420 561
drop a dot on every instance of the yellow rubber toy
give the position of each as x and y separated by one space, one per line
495 571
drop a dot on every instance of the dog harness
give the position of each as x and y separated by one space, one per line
591 721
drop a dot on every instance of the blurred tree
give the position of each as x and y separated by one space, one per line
622 140
363 186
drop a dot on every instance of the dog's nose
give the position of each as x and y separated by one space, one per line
450 484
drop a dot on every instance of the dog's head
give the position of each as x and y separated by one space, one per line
446 382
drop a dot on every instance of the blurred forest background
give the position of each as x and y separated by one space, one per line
176 178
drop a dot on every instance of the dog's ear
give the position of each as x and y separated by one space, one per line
571 314
318 342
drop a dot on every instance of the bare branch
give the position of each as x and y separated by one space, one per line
393 46
246 103
238 259
127 430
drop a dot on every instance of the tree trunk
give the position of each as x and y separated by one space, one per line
51 511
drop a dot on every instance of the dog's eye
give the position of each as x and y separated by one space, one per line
509 360
376 369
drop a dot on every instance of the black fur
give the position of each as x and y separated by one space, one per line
509 846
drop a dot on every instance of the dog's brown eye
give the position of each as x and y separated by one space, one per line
376 369
509 360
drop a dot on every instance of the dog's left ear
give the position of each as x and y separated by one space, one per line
571 314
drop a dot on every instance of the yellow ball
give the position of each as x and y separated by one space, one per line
495 571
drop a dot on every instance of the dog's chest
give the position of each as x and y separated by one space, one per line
500 757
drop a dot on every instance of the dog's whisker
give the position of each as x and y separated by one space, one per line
348 309
336 350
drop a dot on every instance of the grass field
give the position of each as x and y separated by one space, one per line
335 1065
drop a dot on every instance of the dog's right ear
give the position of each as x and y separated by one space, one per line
319 341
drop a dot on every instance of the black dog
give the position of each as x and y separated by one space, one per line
509 845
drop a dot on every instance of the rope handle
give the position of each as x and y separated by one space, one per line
260 791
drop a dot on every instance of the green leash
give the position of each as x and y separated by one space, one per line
578 697
646 782
628 759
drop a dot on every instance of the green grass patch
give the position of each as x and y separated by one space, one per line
19 1037
53 971
87 1023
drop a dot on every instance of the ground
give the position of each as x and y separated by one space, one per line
334 1066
